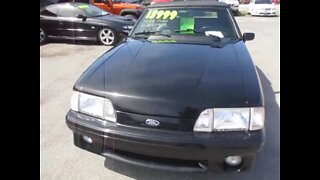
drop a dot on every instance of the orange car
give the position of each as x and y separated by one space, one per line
119 7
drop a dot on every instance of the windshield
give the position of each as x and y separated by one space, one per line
91 11
187 22
263 2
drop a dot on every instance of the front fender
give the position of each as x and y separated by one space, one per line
115 26
136 12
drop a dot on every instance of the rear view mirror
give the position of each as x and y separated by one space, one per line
248 36
81 16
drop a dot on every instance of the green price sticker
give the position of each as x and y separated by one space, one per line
187 23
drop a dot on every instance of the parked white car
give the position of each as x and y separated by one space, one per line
262 8
234 5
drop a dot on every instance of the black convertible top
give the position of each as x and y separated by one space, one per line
199 3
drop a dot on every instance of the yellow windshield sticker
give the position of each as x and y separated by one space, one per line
83 6
153 14
166 14
161 14
148 15
173 15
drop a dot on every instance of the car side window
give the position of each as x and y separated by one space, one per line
98 1
50 11
69 11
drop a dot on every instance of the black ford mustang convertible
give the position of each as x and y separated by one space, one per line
180 93
80 21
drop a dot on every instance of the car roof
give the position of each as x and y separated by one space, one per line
203 3
64 3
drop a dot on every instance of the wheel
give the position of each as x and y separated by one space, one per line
43 36
107 36
131 16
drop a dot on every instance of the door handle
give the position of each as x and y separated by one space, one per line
60 22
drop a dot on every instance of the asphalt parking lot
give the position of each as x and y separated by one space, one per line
63 62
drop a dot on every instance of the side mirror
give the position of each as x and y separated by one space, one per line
81 16
248 36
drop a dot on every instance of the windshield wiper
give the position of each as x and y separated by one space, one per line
216 38
152 33
101 15
189 30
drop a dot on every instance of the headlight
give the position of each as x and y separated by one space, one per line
230 119
127 27
204 122
226 119
75 101
93 105
257 118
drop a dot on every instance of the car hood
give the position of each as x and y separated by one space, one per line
115 19
173 80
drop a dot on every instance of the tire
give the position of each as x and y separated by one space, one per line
43 36
107 37
131 16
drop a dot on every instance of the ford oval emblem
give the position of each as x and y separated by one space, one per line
152 122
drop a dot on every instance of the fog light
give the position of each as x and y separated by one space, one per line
87 139
233 160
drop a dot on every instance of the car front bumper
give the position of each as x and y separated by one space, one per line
264 13
126 32
235 8
162 149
